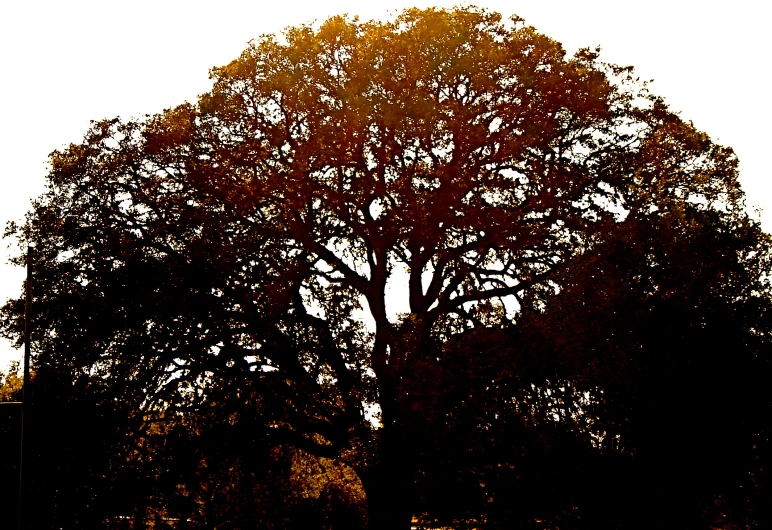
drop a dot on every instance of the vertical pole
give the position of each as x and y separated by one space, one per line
26 390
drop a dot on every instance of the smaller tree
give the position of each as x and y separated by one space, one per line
662 332
10 438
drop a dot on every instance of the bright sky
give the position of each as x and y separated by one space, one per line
65 63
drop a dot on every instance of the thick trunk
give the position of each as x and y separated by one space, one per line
389 499
389 485
139 517
389 478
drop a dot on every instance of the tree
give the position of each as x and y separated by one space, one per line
10 436
676 356
636 396
72 476
253 238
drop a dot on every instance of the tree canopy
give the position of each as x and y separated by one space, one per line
244 253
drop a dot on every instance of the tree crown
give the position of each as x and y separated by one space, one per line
252 237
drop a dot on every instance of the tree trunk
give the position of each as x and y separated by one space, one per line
389 485
389 500
140 517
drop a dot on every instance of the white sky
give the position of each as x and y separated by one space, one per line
64 63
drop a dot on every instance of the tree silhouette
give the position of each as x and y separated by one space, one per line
637 396
252 239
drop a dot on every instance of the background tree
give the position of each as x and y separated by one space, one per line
635 396
71 435
676 354
10 437
250 239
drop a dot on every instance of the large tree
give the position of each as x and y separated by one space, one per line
258 239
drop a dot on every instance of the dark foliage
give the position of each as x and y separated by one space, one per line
586 338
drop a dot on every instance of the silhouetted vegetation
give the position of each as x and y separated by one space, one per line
587 338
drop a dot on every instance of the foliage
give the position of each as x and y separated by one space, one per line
638 395
231 262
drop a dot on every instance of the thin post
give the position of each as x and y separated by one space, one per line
26 390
